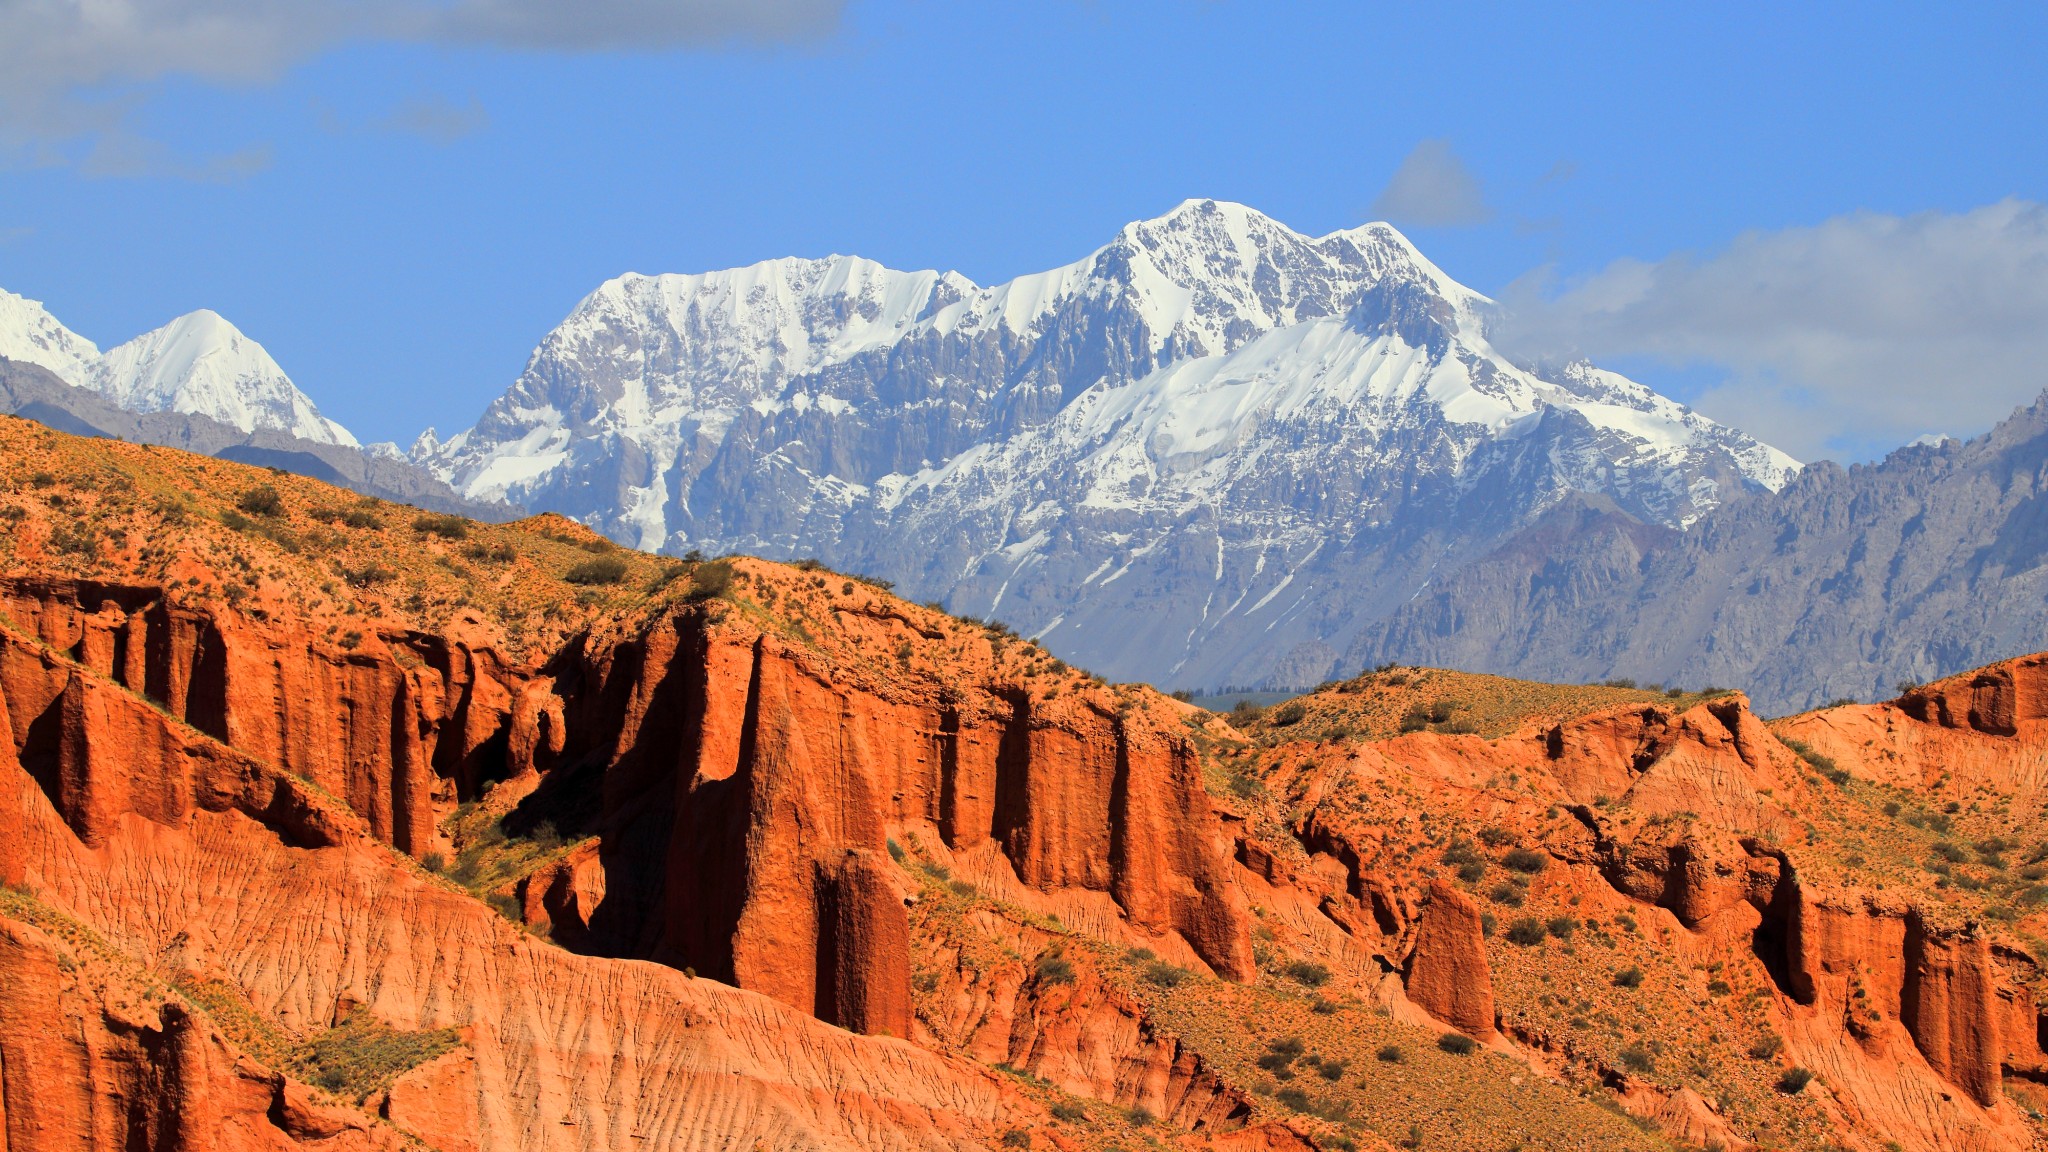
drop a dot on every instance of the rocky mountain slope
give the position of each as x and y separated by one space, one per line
1842 585
198 364
330 823
1211 451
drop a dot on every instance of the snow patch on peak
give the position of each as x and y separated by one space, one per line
29 333
201 365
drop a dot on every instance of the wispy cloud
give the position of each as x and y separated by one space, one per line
73 70
434 118
1860 332
1432 189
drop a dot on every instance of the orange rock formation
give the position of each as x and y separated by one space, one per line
906 881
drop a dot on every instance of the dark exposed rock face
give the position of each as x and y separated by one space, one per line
1843 584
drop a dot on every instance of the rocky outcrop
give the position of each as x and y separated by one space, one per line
80 1071
1949 1004
1075 1030
1713 761
98 755
723 753
389 725
751 791
213 857
1446 974
2000 700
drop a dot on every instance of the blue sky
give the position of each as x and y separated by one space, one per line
400 215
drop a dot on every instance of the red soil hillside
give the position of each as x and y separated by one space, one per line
326 823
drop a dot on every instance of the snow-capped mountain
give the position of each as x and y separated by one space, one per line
29 333
1209 452
202 365
198 364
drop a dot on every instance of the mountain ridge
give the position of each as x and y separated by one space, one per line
1208 381
199 364
1846 583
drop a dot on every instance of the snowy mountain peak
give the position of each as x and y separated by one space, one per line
202 365
1209 451
29 333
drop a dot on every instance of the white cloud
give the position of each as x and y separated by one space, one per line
72 70
1432 189
1838 339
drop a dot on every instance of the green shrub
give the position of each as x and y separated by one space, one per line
1278 1063
361 518
597 570
1637 1058
711 580
1457 1044
1016 1138
1528 931
1526 860
1165 975
1794 1080
262 500
1767 1047
1391 1054
368 575
437 524
363 1055
1561 926
1069 1111
1307 973
1630 977
1506 893
1288 714
1054 968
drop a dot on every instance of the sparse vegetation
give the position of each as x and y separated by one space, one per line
363 1055
711 580
445 526
1054 968
1307 973
262 500
1165 975
598 570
